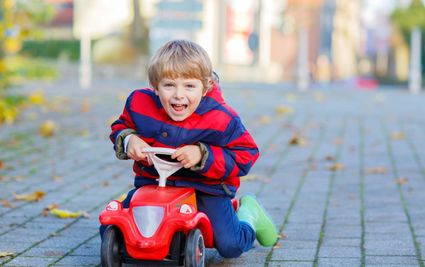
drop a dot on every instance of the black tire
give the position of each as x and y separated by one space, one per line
111 248
195 249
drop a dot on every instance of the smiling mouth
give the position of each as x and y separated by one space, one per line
178 107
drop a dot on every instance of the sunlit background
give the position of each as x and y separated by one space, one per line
360 43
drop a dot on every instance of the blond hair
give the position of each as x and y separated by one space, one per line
180 58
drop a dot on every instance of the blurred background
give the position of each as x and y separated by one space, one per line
358 43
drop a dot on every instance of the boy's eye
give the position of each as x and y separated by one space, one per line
190 86
168 85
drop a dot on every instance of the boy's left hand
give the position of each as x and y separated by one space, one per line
189 155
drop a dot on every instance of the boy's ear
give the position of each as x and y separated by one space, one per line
210 84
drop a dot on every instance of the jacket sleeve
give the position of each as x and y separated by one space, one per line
233 155
121 128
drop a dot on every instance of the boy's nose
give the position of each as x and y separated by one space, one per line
178 93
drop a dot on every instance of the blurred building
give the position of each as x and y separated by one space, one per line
254 40
61 25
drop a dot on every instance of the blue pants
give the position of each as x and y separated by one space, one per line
231 237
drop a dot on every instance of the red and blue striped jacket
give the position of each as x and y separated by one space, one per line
230 149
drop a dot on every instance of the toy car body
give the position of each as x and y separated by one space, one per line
162 226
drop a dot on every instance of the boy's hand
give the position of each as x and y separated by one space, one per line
134 149
189 155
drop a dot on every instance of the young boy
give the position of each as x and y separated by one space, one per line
186 111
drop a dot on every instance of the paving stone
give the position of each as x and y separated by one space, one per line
30 261
339 262
387 260
340 252
79 261
294 254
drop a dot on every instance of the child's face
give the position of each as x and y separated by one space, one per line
180 97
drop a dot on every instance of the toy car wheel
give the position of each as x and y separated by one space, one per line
195 249
110 252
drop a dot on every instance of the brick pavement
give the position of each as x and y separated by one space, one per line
368 211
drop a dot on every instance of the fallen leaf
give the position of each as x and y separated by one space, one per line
297 140
337 141
36 97
85 106
250 177
18 178
56 178
1 164
281 110
84 133
336 167
265 119
282 236
105 184
122 197
5 254
31 197
376 170
47 128
277 245
397 136
6 203
48 208
401 180
64 214
329 158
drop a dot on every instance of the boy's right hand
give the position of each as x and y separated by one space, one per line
134 149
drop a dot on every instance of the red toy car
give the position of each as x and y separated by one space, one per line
161 227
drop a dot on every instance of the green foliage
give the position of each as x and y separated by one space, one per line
51 48
23 69
407 18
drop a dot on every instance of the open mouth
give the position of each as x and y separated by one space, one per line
178 107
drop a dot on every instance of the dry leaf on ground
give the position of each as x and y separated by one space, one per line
282 109
338 141
85 106
376 170
122 197
37 97
281 236
265 119
1 164
47 128
64 214
18 178
329 158
6 203
336 167
48 208
5 254
250 177
277 245
397 136
297 140
31 197
401 180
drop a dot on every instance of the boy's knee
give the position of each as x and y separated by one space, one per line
228 248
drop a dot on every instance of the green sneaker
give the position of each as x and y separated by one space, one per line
253 213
